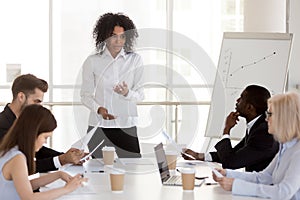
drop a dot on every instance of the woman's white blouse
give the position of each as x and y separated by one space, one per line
100 73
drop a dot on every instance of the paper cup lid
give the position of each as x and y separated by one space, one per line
108 148
117 171
187 170
171 153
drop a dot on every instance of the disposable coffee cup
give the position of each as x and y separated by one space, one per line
108 155
188 179
117 180
171 159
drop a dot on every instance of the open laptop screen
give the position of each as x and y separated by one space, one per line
162 162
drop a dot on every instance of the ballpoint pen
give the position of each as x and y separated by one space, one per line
99 171
211 183
95 171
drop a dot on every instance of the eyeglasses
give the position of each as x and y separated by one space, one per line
269 114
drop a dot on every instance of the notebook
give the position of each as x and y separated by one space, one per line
165 176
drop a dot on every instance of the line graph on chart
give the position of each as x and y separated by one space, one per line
233 70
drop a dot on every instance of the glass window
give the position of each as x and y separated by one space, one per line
71 125
73 42
73 28
24 39
6 95
53 45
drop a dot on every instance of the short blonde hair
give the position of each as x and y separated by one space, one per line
286 116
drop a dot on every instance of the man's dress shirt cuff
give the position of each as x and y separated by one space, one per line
56 162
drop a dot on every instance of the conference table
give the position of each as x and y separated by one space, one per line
142 182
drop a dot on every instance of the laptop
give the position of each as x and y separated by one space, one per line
164 172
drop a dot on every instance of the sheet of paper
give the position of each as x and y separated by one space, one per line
83 142
86 189
93 165
72 169
136 161
85 158
173 143
187 163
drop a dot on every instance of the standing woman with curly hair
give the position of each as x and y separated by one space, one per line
112 81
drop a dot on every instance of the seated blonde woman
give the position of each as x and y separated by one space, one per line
17 149
281 179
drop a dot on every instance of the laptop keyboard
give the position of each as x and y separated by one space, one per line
173 180
176 180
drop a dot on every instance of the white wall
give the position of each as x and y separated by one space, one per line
264 16
271 16
294 69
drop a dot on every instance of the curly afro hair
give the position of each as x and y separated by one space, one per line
105 26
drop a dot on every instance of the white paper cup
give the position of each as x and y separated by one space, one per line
108 155
188 179
117 180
